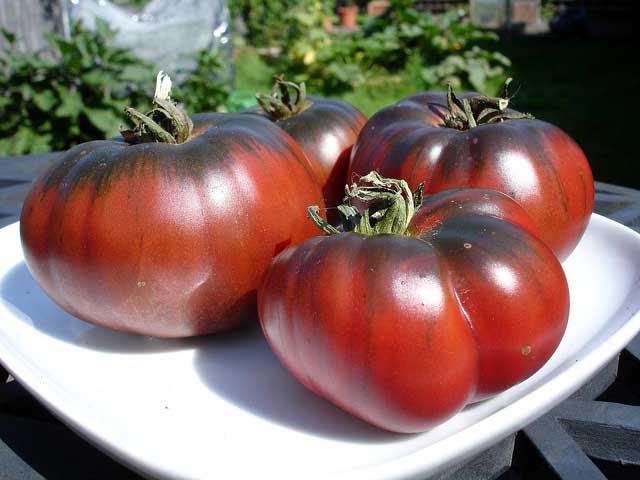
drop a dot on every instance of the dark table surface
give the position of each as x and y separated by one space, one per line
593 435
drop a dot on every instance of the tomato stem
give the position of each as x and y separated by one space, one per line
390 205
280 105
314 214
166 123
470 112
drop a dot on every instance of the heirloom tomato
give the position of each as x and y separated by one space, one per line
324 128
168 239
416 312
474 141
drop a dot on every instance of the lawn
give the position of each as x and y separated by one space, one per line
253 74
588 87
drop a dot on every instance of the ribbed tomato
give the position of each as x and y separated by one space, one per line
403 329
430 138
324 128
168 240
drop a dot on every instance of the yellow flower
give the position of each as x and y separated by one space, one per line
309 57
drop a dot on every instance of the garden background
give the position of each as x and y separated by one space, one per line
77 89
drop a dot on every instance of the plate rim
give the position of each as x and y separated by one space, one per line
549 394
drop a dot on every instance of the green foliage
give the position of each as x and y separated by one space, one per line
49 104
448 46
52 103
548 9
135 4
476 68
267 21
325 61
207 88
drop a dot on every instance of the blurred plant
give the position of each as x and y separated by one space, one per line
447 45
135 4
267 21
548 9
49 104
326 62
79 95
476 68
433 37
208 89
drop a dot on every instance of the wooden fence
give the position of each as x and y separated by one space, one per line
31 20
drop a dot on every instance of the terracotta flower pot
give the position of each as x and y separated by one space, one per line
348 16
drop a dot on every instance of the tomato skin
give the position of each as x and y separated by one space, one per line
403 332
532 161
326 132
168 240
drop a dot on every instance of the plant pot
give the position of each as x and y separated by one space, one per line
376 8
348 16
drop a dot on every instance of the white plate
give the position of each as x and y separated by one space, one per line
223 406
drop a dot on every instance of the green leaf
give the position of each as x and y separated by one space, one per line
6 147
85 56
71 105
103 31
104 120
22 141
41 143
477 78
9 37
501 58
95 77
45 100
26 91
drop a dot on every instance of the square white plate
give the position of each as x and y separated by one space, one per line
223 406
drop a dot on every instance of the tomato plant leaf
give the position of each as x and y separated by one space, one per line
104 120
45 100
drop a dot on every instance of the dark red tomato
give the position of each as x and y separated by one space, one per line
532 161
168 240
324 128
404 330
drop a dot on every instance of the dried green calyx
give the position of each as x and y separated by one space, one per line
281 104
467 113
166 123
389 206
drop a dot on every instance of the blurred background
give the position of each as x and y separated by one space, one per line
68 67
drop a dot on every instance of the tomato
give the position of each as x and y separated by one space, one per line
168 240
324 128
428 138
405 325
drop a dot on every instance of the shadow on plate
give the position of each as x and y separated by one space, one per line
241 368
31 305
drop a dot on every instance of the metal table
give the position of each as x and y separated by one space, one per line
593 435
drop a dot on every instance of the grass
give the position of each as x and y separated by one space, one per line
587 87
254 75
